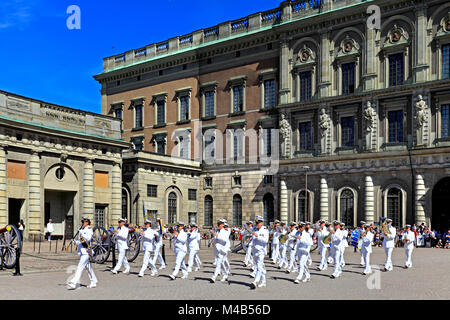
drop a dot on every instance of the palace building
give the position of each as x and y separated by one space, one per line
58 163
363 112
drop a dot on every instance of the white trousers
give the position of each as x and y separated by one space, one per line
179 263
283 257
260 272
193 258
158 256
408 253
275 252
362 259
388 263
342 257
323 258
226 264
84 263
220 267
366 259
248 255
337 262
147 260
122 260
331 254
292 257
303 268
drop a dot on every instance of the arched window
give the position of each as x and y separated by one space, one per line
302 212
124 204
237 210
172 205
269 215
347 207
208 211
394 206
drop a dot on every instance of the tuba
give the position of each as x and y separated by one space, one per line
327 239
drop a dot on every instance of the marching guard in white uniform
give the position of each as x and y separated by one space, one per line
344 243
247 247
388 244
221 237
194 247
336 243
85 236
311 233
226 263
275 242
259 251
122 246
283 247
148 245
366 248
361 231
321 233
408 242
157 254
291 242
180 249
304 243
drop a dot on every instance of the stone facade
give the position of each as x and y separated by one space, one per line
50 157
366 109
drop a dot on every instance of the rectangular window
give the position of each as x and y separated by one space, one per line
305 85
101 179
118 114
268 179
192 194
396 69
209 146
267 142
269 93
445 121
192 217
237 180
152 191
160 112
99 216
138 143
395 119
208 182
209 103
184 108
446 61
237 146
161 144
305 136
238 98
348 78
138 111
348 131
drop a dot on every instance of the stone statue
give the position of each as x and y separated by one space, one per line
285 128
370 116
324 122
421 111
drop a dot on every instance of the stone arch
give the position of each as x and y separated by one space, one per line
402 201
179 203
355 205
309 216
69 181
389 23
438 14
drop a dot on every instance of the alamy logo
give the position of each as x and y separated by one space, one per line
74 20
374 20
374 280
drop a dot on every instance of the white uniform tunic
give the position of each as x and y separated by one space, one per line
361 231
388 245
303 247
259 251
157 254
122 246
275 245
220 251
194 247
283 247
148 245
85 233
344 246
366 250
291 243
247 247
311 233
408 241
322 248
180 249
336 242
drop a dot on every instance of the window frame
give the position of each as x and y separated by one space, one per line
235 82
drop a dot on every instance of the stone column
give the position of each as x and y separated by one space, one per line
420 200
325 68
284 92
324 214
3 198
421 66
370 74
34 194
116 199
369 200
283 201
88 190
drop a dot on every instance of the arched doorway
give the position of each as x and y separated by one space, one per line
440 219
347 207
209 211
269 215
172 205
237 210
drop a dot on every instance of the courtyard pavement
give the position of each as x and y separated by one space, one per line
45 275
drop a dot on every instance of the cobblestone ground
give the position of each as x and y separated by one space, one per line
44 277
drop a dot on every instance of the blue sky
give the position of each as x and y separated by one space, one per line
42 59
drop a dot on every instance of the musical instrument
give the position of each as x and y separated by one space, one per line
327 239
10 240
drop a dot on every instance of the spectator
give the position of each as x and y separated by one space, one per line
21 227
50 229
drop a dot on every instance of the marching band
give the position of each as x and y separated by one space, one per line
290 248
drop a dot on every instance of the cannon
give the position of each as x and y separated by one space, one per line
10 241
